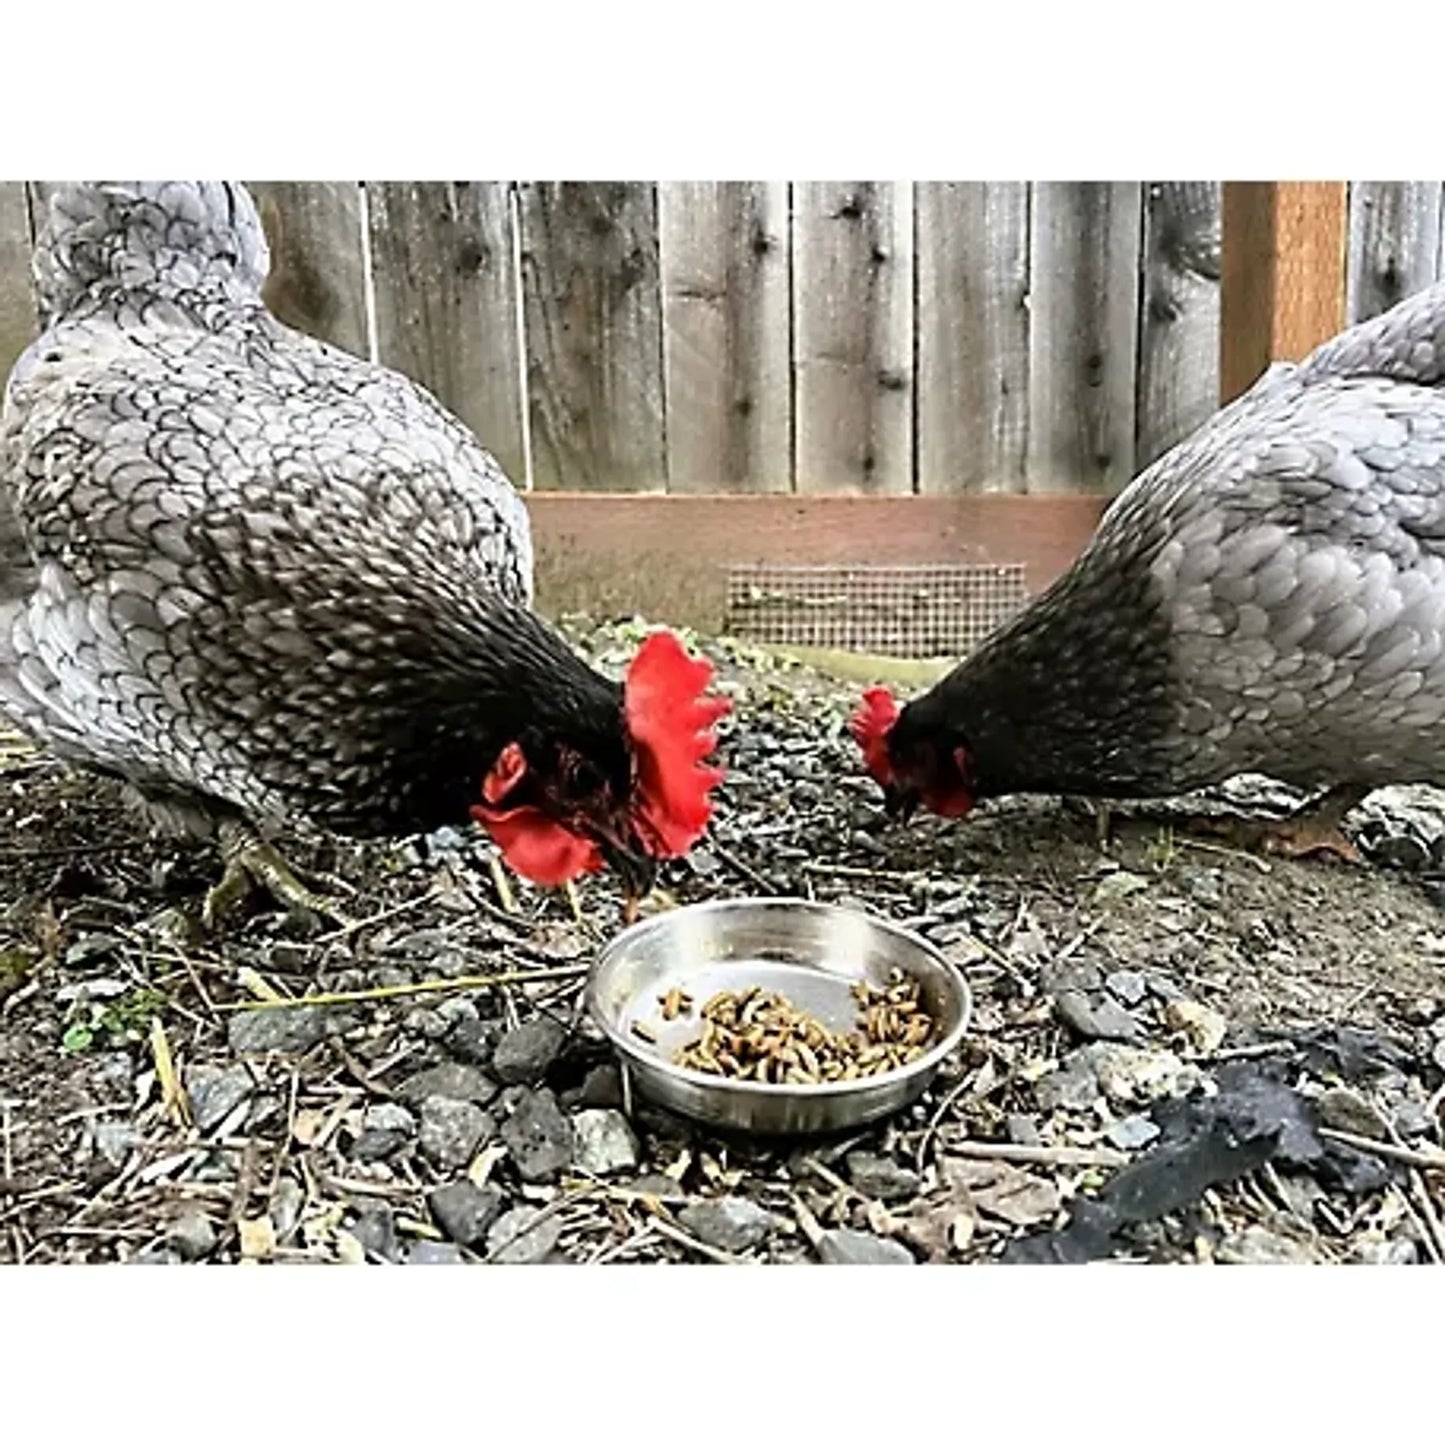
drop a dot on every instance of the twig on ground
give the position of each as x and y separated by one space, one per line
403 990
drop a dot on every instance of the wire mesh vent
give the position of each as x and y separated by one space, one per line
906 611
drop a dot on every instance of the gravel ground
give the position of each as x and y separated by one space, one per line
1179 1053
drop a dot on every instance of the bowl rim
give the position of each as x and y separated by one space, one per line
842 1088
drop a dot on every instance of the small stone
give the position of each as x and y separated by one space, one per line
286 1205
1204 885
425 1023
449 1081
1127 985
454 1011
276 1030
605 1143
1256 1245
215 1092
465 1212
881 1178
1132 1132
385 1129
433 1251
1023 1129
114 1140
1413 1119
471 1040
1118 886
1127 1075
1073 1085
538 1135
1342 1108
601 1088
1202 1026
1385 1251
375 1230
1101 1020
452 1130
523 1055
191 1235
733 1223
1163 987
522 1236
850 1246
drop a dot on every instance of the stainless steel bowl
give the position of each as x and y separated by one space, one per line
812 953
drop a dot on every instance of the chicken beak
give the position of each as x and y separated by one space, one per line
636 871
900 802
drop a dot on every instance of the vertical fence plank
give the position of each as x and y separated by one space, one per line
593 335
18 324
1283 274
1083 338
973 335
318 272
446 302
725 335
853 337
1179 314
1394 245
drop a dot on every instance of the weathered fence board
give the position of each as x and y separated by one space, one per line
318 267
1394 244
1083 335
1178 314
853 337
973 335
726 335
593 335
444 280
17 293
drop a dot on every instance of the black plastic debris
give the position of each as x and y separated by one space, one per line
1351 1053
1254 1117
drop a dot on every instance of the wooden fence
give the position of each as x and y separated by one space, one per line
850 338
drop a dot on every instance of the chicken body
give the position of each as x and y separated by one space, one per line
1268 596
248 573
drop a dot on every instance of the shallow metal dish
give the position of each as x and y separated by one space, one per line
812 953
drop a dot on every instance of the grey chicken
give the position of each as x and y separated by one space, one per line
1268 596
262 581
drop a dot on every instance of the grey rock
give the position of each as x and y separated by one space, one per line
1022 1129
1342 1108
215 1092
538 1135
523 1055
1132 1132
465 1212
1103 1019
452 1130
424 1023
1413 1119
385 1129
880 1177
1385 1251
1127 985
1257 1245
449 1081
191 1235
733 1223
114 1140
660 1187
523 1236
1204 885
850 1246
433 1251
601 1089
375 1230
1073 1085
604 1142
471 1040
277 1030
454 1011
1163 987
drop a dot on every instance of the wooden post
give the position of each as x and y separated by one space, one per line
1283 289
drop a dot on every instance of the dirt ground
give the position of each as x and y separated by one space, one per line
1179 1052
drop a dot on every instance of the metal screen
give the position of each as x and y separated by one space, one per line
911 611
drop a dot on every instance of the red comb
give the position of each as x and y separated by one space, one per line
870 725
669 720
